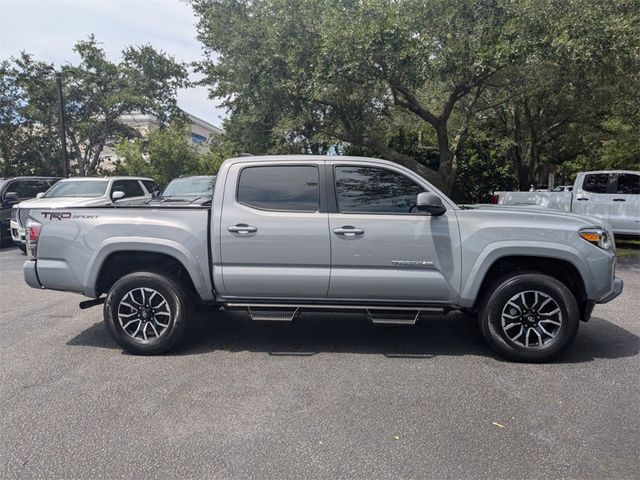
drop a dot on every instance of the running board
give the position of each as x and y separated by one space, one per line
272 314
393 317
390 315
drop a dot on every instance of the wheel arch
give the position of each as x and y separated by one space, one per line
561 263
118 257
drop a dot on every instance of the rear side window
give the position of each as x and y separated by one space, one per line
375 190
628 184
288 188
596 183
150 185
131 188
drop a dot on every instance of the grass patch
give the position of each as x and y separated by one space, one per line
628 247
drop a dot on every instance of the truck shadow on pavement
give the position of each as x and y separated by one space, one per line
311 334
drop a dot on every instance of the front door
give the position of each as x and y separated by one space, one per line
382 249
625 204
592 196
274 241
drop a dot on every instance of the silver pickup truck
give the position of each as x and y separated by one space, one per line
288 234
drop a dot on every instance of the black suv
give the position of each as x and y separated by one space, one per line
15 190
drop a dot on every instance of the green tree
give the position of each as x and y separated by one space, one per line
28 130
308 74
97 93
575 91
165 154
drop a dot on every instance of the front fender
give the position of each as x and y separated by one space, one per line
494 251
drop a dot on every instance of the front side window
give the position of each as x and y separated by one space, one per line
131 188
596 183
375 190
628 184
21 188
77 188
286 188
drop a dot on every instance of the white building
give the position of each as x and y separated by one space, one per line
200 133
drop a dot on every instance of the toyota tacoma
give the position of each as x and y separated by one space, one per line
289 234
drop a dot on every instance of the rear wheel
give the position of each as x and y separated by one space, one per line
529 317
146 312
22 247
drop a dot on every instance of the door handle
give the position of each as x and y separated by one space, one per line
619 200
348 231
242 229
582 199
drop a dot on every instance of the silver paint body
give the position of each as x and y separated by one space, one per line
297 257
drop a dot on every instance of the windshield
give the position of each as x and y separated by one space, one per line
78 188
190 187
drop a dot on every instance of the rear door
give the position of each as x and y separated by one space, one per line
592 196
274 240
382 249
625 204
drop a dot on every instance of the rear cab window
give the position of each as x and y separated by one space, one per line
151 186
131 188
289 188
628 184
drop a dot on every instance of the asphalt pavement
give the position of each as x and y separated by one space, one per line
328 396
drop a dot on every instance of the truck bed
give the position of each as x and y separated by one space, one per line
69 258
554 200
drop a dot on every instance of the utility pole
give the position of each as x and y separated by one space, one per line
63 135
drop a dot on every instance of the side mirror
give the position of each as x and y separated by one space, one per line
117 195
40 195
11 198
430 203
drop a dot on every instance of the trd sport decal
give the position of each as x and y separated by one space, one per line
64 215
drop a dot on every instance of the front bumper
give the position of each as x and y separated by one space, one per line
30 274
618 285
18 234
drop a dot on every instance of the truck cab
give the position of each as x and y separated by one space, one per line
611 195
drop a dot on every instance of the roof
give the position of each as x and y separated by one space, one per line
94 179
305 158
31 177
636 172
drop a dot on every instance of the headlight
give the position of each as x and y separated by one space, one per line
598 237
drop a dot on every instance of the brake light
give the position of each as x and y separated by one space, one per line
33 231
33 234
495 199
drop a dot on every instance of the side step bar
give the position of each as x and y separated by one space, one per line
376 314
271 314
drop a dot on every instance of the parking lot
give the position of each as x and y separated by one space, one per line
327 396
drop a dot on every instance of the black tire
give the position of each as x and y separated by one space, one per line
542 347
166 288
23 248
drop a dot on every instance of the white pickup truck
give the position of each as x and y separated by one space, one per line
612 195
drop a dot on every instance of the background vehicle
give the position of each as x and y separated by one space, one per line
563 188
287 234
188 191
612 195
82 192
13 191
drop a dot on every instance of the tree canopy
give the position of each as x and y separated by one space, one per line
97 92
322 75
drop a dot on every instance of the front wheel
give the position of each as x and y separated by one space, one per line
146 312
529 317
